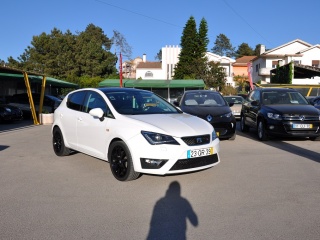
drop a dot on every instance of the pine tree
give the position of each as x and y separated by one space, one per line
192 60
223 47
244 50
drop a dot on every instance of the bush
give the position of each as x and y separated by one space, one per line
228 90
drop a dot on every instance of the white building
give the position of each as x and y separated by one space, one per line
296 51
164 70
226 63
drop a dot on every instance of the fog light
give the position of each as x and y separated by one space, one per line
271 127
149 163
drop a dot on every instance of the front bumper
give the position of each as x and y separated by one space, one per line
225 129
287 129
175 157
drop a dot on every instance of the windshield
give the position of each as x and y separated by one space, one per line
204 99
234 99
274 97
139 103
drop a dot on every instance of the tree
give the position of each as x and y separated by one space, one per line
93 56
192 60
215 76
223 47
188 48
244 50
69 56
159 56
257 50
203 41
203 37
242 82
121 44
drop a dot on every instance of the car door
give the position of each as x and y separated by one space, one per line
70 115
92 132
252 107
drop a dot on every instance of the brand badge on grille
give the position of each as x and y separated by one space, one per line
302 118
199 140
209 118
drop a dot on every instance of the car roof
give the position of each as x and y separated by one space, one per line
119 89
201 91
233 96
277 89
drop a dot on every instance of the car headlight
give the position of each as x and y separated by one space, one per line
214 135
227 115
275 116
158 138
7 109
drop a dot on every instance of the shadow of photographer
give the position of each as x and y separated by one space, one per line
170 214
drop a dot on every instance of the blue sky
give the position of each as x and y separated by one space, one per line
149 25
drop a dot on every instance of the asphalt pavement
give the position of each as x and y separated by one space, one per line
260 190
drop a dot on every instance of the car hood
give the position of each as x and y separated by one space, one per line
176 124
203 111
293 109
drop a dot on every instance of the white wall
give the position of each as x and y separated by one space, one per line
170 57
157 73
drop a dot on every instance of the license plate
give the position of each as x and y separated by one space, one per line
199 152
301 125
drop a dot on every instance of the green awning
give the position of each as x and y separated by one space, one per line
192 83
111 83
33 78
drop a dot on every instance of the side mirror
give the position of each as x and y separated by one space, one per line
97 113
231 104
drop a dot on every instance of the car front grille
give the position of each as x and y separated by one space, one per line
197 140
297 117
194 162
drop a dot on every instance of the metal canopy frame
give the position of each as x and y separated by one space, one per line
28 77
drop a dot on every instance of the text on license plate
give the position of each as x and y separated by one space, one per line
200 152
301 125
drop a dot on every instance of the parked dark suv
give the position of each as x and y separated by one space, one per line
281 112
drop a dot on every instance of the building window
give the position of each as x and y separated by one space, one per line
297 61
316 63
149 74
274 64
257 67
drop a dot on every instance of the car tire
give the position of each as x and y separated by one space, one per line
58 143
314 138
243 126
262 135
120 161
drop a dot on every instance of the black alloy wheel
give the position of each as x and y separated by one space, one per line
58 143
121 162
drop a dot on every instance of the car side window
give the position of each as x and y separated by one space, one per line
257 96
95 100
75 100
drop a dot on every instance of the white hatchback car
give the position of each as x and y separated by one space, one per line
135 130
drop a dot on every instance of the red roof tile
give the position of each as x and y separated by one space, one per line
243 60
149 65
